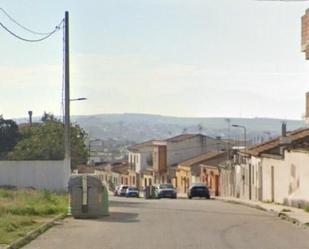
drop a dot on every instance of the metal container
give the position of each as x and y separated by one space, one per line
88 196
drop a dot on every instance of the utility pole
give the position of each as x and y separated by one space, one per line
67 133
228 121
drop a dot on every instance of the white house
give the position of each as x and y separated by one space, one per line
276 171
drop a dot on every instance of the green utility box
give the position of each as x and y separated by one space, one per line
88 196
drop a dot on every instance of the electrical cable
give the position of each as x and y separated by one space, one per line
22 26
57 28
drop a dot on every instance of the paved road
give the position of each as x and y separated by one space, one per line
175 224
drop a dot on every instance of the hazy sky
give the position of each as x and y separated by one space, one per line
236 58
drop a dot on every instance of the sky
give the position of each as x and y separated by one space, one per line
197 58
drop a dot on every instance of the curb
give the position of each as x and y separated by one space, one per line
281 215
34 234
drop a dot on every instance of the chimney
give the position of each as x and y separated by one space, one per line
283 129
284 140
30 117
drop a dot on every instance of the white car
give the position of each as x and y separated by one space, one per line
166 190
122 190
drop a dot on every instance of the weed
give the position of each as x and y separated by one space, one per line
20 209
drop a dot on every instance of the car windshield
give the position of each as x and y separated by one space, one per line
199 187
165 186
133 188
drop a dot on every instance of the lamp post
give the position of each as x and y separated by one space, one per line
228 121
78 99
245 133
245 137
67 130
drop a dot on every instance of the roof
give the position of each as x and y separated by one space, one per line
83 169
141 145
293 136
182 137
176 139
202 158
121 169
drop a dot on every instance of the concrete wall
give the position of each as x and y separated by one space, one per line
49 175
140 159
180 151
291 178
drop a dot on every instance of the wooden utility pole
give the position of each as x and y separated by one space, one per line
67 133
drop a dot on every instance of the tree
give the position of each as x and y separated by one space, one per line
46 142
9 136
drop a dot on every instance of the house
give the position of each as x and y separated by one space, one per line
210 171
276 170
140 156
202 168
164 155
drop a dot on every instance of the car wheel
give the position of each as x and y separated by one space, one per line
190 197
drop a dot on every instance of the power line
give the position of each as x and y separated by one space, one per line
31 40
22 26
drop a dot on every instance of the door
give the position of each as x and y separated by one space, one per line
216 185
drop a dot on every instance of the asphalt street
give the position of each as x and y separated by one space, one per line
175 224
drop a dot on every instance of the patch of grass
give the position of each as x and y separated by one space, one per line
307 209
20 210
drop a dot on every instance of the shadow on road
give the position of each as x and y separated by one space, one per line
120 217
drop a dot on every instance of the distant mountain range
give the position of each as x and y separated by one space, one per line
141 127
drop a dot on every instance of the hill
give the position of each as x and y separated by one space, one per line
141 127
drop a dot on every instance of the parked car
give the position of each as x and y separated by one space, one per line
132 192
198 190
165 191
122 190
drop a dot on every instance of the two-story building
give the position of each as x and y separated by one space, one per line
160 157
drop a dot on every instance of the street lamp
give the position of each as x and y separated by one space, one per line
245 133
67 129
78 99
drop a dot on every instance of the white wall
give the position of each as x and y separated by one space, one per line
49 175
281 179
291 177
139 159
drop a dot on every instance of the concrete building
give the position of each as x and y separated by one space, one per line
275 171
164 155
140 156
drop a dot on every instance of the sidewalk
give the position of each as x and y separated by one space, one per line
294 215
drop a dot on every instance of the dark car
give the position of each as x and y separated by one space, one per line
198 190
165 191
